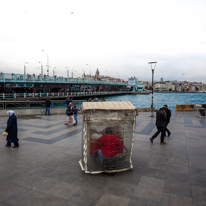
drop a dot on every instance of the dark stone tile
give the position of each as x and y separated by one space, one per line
199 202
77 201
151 172
63 190
55 139
138 121
177 188
50 131
197 171
47 200
24 197
7 190
177 169
178 178
147 130
178 200
176 161
187 120
108 199
92 195
151 183
201 163
198 180
122 189
198 193
147 196
42 127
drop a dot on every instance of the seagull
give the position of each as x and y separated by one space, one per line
72 12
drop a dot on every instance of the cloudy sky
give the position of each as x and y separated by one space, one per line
119 37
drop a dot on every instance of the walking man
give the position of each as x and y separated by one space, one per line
47 106
168 112
68 100
160 124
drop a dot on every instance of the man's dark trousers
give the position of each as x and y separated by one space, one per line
167 130
162 130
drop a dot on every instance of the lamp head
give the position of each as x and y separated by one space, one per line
151 65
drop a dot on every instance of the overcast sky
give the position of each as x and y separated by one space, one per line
117 37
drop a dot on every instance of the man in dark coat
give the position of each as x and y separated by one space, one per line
168 112
11 129
68 100
160 124
47 106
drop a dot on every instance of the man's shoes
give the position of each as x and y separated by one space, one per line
169 134
8 145
163 143
74 124
66 123
15 146
151 139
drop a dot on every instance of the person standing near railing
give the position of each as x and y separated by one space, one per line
47 106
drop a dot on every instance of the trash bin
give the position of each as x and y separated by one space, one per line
201 112
107 121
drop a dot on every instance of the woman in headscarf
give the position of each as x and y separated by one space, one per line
11 129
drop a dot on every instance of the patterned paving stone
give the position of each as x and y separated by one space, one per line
44 170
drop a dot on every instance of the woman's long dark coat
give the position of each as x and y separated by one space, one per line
12 129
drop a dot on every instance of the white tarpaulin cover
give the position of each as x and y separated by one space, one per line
105 121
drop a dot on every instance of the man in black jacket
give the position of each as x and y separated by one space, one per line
160 124
47 106
168 112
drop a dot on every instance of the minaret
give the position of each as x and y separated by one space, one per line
97 73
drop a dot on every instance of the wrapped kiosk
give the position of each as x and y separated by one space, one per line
107 136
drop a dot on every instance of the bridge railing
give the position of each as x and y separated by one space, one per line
54 94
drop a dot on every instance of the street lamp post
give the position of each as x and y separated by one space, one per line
54 71
67 72
47 63
152 63
25 67
90 68
42 70
83 73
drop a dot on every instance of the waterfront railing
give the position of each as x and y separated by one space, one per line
56 94
37 104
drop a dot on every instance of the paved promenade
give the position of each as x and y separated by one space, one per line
44 170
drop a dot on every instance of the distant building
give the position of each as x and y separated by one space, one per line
133 83
160 86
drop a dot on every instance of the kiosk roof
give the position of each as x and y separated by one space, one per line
116 105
